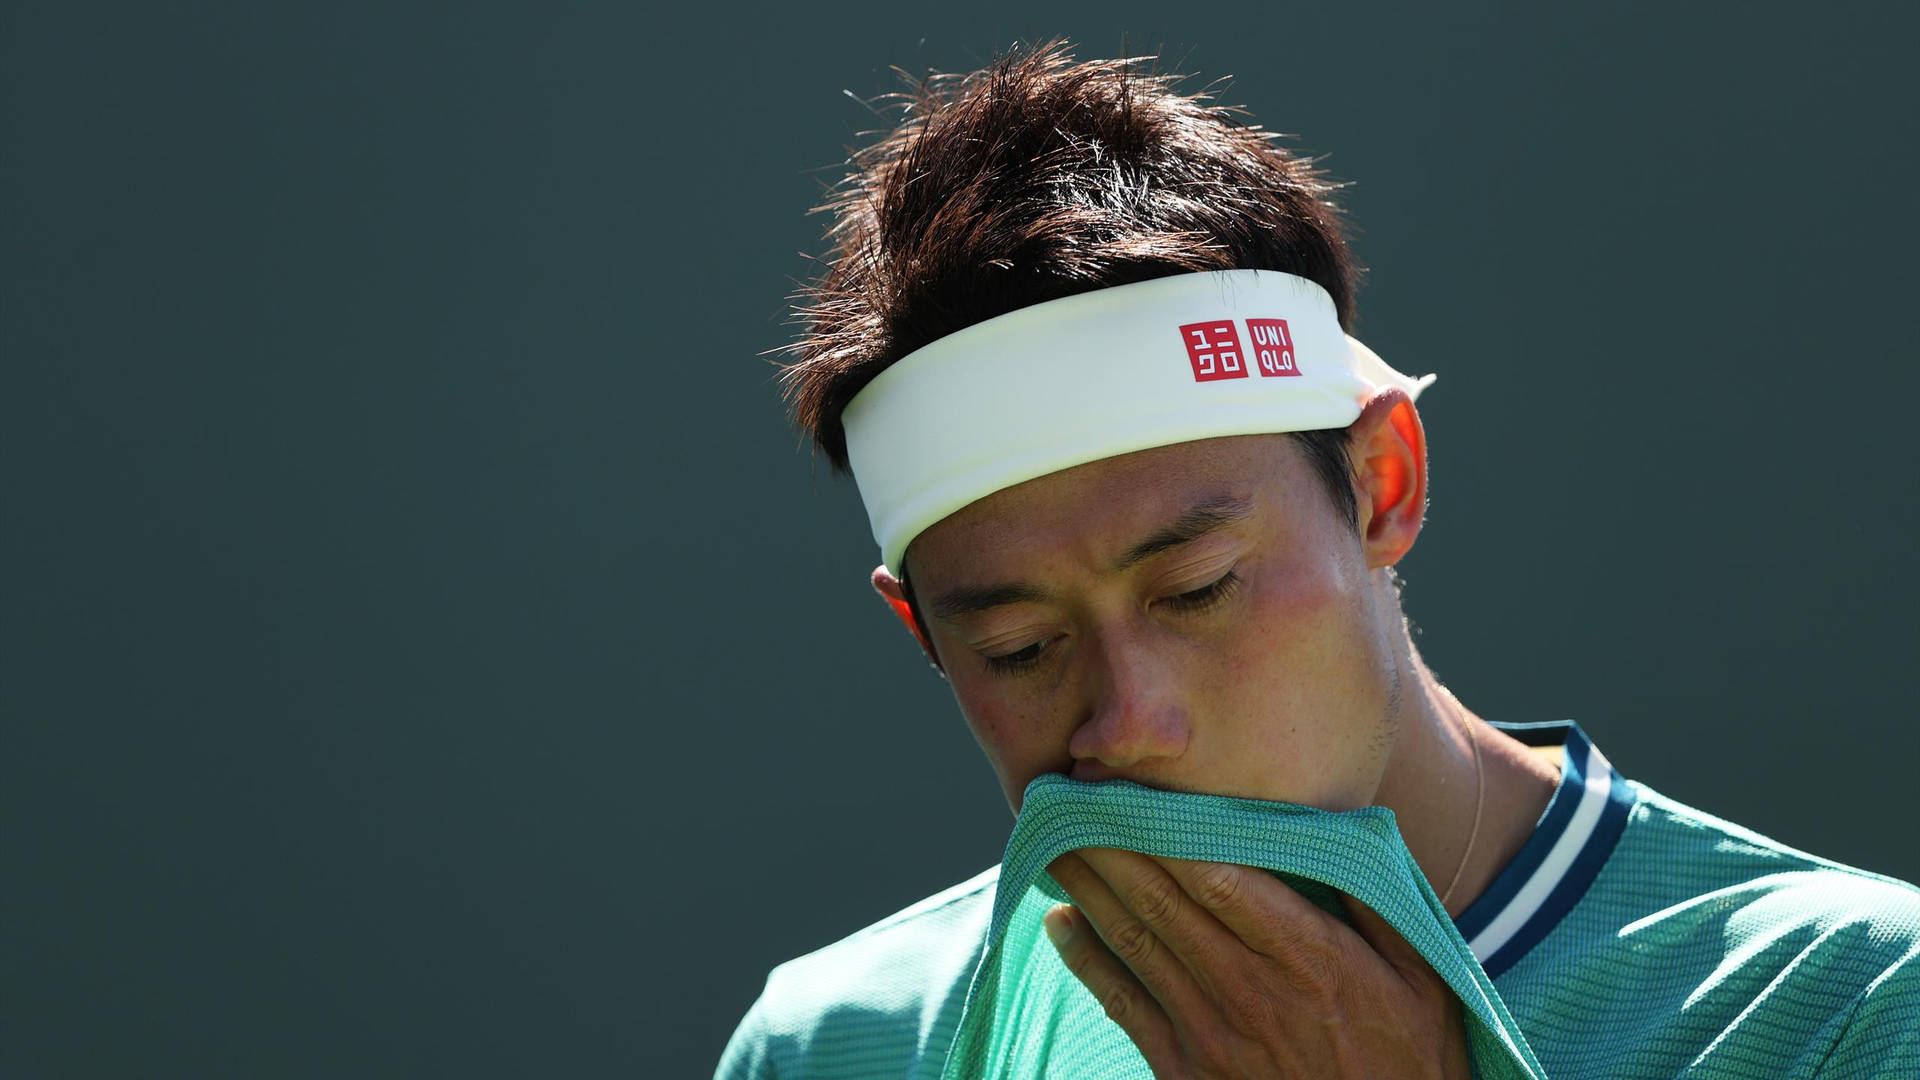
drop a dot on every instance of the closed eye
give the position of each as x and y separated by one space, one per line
1014 662
1192 602
1198 600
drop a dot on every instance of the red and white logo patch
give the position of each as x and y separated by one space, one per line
1214 349
1272 347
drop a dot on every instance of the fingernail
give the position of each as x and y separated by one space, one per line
1059 924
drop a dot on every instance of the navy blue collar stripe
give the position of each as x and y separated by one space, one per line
1579 877
1499 895
1573 838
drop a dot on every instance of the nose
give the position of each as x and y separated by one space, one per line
1134 710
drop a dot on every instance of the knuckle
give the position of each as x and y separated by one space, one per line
1333 1020
1131 941
1249 1009
1212 1055
1117 1003
1158 901
1217 885
1315 971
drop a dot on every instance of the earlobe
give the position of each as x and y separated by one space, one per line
895 594
1391 446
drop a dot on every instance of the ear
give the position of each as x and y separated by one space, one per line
895 594
1390 449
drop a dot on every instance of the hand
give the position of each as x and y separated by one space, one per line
1217 970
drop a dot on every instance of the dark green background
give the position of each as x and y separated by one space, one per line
428 651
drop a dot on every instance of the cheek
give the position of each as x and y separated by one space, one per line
1306 696
1013 735
1300 648
1303 610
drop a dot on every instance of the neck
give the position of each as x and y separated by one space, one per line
1430 785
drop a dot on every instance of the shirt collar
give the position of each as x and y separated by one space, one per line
1582 823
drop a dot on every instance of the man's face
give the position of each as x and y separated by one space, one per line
1196 617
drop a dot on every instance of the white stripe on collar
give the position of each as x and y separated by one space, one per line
1597 786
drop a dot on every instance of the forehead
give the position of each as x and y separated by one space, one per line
1092 512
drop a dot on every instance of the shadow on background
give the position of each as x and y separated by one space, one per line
429 650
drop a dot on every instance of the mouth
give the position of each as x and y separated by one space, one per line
1094 772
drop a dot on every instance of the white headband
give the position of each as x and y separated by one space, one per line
1101 373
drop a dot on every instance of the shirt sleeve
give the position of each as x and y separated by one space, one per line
1882 1037
748 1055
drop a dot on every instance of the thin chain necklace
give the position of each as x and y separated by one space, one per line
1479 803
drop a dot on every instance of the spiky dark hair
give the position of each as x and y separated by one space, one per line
1040 177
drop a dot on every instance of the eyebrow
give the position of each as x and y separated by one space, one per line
1213 514
1208 516
966 601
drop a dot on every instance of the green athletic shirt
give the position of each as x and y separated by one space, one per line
1632 936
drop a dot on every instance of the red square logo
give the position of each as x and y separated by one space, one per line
1214 349
1272 347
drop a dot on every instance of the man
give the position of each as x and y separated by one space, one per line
1081 341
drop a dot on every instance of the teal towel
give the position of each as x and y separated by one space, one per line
1026 1016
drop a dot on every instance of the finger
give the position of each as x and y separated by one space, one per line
1260 909
1120 994
1129 938
1387 942
1153 895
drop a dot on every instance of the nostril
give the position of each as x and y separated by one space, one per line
1091 771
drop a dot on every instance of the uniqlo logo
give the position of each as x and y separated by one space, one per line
1272 347
1214 349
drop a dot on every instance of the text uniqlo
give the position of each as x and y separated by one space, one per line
1272 346
1214 349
